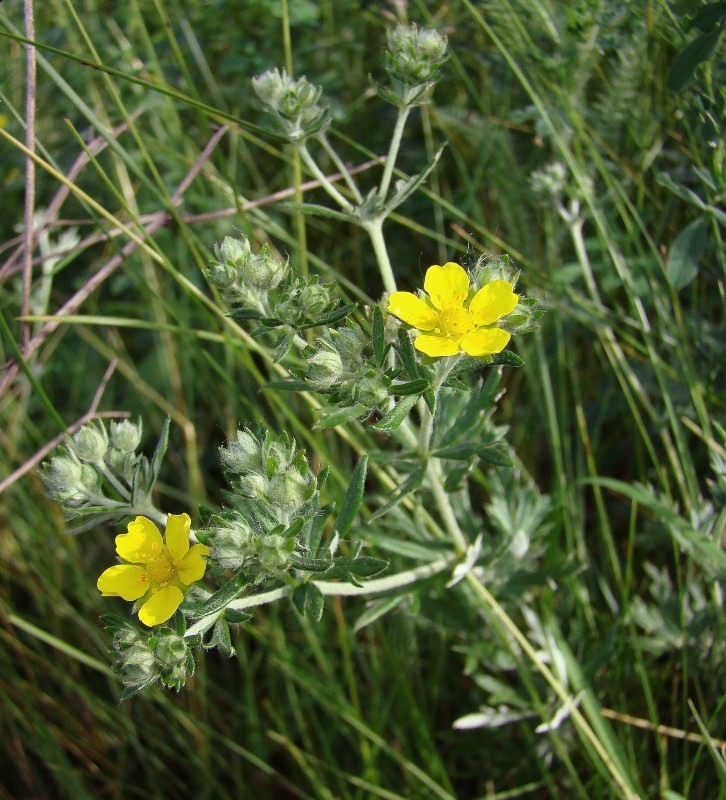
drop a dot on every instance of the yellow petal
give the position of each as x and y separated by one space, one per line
141 543
161 605
485 341
129 581
191 567
447 286
435 346
492 302
177 535
412 310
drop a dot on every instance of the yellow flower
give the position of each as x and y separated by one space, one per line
453 323
156 572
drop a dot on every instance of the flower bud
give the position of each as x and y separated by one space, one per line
233 544
69 481
137 664
414 55
264 271
252 485
294 103
288 490
233 252
242 455
125 435
275 554
370 390
172 658
325 368
90 443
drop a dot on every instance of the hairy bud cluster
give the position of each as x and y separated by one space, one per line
236 546
245 277
413 58
341 366
143 657
293 103
69 482
270 470
99 469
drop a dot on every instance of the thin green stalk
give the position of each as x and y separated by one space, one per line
374 229
396 138
311 164
338 161
333 588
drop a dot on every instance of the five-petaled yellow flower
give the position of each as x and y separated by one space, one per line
156 572
451 321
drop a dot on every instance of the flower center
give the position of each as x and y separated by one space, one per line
454 322
161 569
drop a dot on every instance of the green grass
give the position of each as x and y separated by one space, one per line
615 422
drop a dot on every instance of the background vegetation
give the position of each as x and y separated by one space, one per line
615 422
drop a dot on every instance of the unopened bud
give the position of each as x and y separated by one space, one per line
90 443
125 435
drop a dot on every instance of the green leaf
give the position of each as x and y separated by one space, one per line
703 550
683 70
331 317
135 688
708 16
413 482
221 639
235 617
378 338
377 610
410 387
397 414
283 346
685 252
407 354
287 385
361 567
244 313
315 210
315 531
353 497
309 601
158 456
311 564
507 359
338 416
222 598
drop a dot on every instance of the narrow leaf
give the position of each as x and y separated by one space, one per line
685 252
338 416
353 497
379 344
222 598
397 414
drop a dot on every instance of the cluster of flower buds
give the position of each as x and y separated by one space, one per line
146 656
341 366
275 494
244 277
293 103
100 475
75 478
69 482
271 470
413 58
